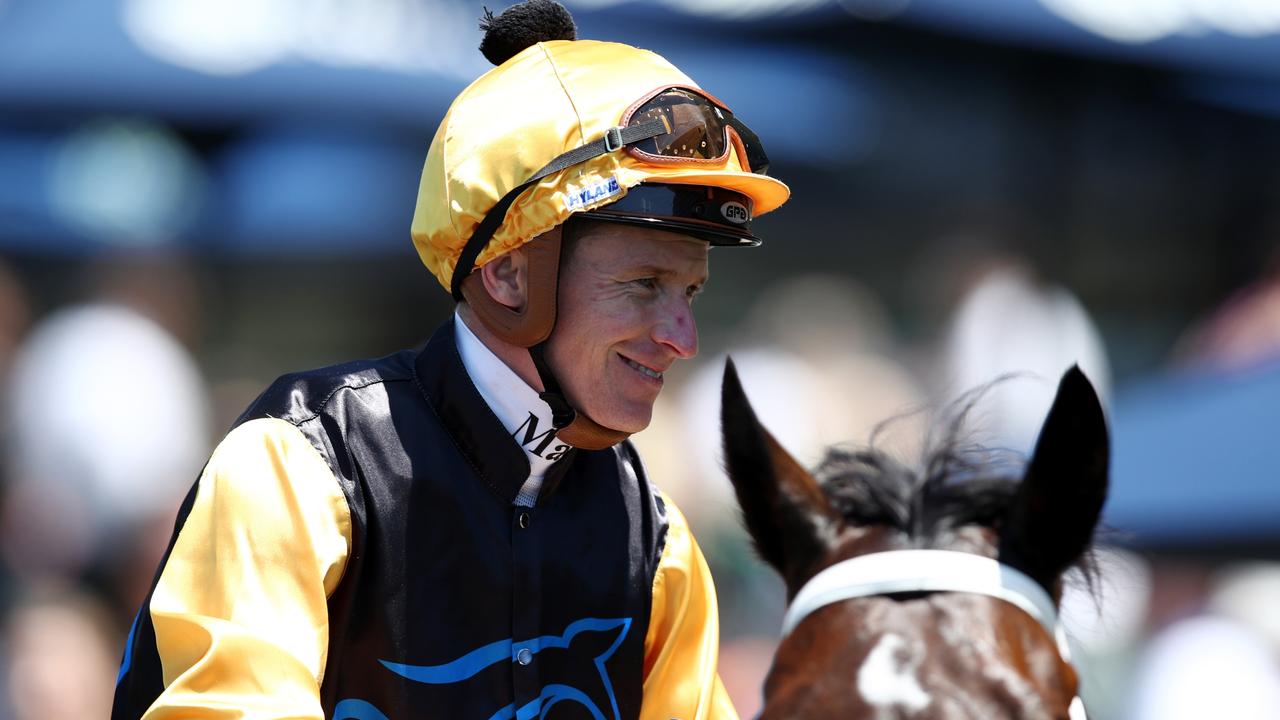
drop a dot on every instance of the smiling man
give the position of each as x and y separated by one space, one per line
463 530
627 317
624 317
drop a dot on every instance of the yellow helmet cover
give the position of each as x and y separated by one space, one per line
546 100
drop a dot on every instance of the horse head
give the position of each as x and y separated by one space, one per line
922 594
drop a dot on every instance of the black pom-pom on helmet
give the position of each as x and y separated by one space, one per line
523 25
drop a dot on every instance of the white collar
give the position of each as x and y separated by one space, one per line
524 415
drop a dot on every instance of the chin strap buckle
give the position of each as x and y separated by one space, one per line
561 413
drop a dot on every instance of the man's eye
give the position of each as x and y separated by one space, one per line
647 283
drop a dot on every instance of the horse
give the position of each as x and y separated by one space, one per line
930 594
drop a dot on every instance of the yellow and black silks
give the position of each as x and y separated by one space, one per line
351 552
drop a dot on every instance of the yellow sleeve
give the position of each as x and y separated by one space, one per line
682 646
240 609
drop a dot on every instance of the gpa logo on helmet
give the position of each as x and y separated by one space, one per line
735 212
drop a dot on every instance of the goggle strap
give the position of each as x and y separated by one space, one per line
615 139
756 158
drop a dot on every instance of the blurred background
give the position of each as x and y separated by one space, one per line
198 196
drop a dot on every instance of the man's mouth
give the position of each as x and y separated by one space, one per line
650 372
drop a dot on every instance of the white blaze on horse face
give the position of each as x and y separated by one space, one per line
887 678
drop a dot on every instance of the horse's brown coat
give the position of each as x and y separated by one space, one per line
976 657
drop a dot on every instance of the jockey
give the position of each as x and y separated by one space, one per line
463 529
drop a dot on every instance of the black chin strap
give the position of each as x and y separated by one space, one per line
561 412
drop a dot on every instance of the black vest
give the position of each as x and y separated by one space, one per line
454 603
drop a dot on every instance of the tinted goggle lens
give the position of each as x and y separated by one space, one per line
697 129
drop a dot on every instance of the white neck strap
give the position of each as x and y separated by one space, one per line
907 571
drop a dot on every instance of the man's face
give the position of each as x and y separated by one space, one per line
624 317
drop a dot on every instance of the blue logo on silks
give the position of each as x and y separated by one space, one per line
489 655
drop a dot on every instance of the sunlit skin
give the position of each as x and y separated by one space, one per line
625 305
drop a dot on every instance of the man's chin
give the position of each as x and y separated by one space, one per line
631 420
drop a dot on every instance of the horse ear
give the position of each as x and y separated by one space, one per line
785 511
1052 519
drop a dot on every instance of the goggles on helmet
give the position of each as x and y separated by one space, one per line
672 126
698 129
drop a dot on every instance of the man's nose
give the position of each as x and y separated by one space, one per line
677 329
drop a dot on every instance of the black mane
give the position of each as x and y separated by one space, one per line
955 488
957 484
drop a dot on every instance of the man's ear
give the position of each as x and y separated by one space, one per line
506 278
514 295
